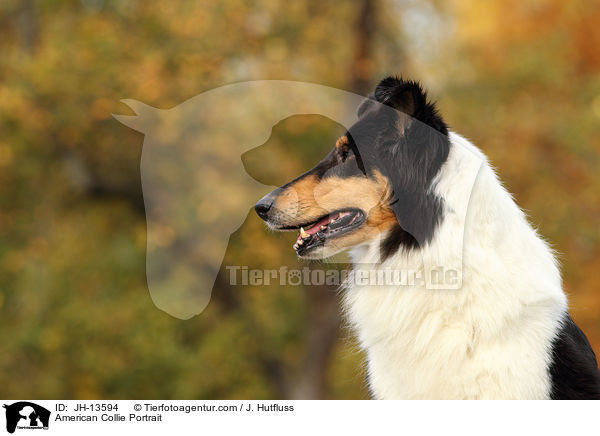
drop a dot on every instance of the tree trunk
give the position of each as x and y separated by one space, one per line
362 67
310 379
27 25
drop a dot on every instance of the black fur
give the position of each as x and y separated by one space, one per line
408 144
409 97
397 238
574 371
399 134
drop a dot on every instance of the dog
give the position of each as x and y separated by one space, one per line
391 192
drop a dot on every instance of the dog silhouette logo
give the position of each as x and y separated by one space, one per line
26 415
197 192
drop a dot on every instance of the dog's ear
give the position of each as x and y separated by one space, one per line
409 98
406 96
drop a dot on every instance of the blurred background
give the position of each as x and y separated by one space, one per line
521 78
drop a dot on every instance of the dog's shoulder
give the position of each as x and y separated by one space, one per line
574 370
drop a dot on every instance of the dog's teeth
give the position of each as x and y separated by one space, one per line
303 233
296 246
300 242
323 227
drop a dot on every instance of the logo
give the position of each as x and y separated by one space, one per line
26 415
194 150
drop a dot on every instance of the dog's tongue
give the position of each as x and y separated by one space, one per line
317 226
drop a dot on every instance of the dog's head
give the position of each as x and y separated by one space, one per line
376 182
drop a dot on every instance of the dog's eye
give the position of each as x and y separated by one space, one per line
344 152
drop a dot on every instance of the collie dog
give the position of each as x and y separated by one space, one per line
399 190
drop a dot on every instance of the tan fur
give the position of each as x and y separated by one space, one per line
341 142
309 198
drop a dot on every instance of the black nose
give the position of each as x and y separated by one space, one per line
263 206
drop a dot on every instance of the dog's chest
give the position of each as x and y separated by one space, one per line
424 344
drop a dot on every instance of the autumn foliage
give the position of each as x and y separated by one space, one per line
521 78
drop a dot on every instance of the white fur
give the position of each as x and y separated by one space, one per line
490 339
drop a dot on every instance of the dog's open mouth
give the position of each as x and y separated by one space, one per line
317 233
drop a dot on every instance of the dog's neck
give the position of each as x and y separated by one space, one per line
463 341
